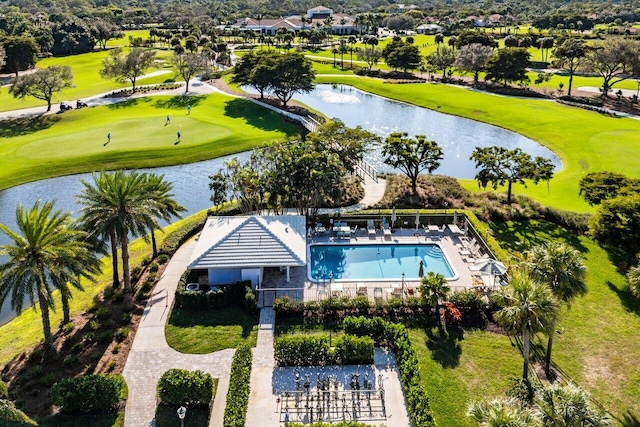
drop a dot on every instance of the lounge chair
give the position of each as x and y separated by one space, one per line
386 230
371 229
320 228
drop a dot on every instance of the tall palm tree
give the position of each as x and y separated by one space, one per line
433 289
560 267
501 413
48 254
119 204
528 307
568 406
163 204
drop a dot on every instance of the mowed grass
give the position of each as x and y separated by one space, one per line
599 347
76 141
462 366
86 79
25 330
201 332
584 140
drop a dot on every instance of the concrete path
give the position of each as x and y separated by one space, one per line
262 403
150 355
373 193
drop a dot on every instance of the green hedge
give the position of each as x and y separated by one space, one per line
397 337
321 424
305 350
180 387
237 294
176 238
492 243
339 308
88 394
235 412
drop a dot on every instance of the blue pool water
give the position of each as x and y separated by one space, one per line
376 261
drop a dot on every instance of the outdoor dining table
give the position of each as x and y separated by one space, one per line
342 229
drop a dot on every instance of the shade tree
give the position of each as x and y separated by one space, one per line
188 66
103 31
411 155
499 166
472 58
617 223
442 59
406 57
570 54
43 83
595 187
370 56
20 53
614 60
508 65
127 67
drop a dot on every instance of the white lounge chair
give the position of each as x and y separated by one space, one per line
371 229
386 230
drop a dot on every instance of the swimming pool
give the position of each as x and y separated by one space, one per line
376 262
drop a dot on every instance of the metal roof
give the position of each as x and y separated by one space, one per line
251 241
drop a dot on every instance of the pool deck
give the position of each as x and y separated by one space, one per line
461 252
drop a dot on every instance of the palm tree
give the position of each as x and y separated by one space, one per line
164 206
119 204
560 267
47 255
501 413
633 276
433 289
568 406
528 307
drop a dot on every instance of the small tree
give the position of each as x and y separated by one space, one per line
433 289
188 66
595 187
412 156
571 53
499 166
43 83
370 56
103 31
472 58
442 59
508 65
127 67
291 73
253 69
406 57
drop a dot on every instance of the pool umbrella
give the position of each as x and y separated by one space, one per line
492 267
421 269
465 228
393 216
417 220
455 217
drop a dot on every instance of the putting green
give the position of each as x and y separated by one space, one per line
76 141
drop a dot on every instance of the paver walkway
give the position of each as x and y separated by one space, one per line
151 356
262 404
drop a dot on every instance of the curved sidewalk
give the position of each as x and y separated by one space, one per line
151 356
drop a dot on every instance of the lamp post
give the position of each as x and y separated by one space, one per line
402 288
446 205
182 412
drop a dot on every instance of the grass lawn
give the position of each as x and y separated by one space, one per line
76 141
25 330
200 332
584 140
598 347
86 79
463 366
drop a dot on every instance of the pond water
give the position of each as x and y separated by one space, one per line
456 135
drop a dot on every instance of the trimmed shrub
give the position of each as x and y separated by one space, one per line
322 424
287 307
174 239
180 387
300 350
88 394
235 412
352 350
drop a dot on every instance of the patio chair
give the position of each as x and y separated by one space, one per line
386 230
371 229
320 228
